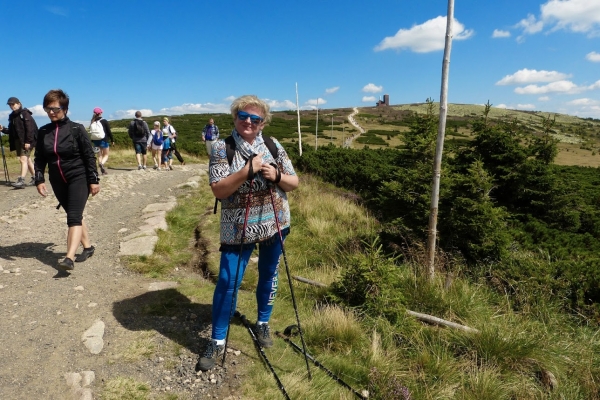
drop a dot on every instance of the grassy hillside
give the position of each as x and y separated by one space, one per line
579 138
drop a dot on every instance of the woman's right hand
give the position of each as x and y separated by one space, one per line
257 162
41 188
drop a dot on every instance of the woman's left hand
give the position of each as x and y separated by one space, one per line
268 172
94 188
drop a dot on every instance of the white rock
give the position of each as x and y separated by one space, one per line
93 337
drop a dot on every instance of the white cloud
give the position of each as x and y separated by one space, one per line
593 57
544 98
582 16
525 107
530 25
281 105
372 88
332 90
229 99
368 99
567 87
57 11
38 111
531 75
314 102
584 102
594 86
501 106
190 108
424 38
124 114
553 87
498 33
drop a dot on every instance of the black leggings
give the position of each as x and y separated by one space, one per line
72 196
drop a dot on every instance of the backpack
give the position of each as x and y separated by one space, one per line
30 126
96 130
157 138
230 150
138 129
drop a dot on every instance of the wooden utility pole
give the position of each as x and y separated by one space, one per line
299 133
439 147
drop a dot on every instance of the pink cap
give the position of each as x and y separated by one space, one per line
98 110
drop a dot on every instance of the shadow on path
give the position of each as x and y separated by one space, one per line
168 312
39 251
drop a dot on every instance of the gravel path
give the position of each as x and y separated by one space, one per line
64 337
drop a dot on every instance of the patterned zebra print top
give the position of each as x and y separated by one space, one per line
261 223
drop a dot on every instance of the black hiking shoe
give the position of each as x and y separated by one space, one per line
209 359
263 334
66 264
102 169
85 254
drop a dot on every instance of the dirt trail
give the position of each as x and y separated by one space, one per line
43 315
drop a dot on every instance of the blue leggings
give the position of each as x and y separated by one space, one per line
266 289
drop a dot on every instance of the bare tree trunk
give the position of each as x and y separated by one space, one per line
439 148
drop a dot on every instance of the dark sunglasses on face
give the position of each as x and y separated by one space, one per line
254 119
55 110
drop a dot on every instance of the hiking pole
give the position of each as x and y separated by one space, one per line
6 176
237 272
285 336
262 353
287 270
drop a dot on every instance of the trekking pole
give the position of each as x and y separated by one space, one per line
237 272
287 270
285 337
6 176
262 353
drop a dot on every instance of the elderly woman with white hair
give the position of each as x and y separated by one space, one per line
251 174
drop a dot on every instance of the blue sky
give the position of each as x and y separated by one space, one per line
181 57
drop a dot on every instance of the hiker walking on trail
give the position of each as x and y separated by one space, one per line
244 171
22 132
139 134
172 133
155 143
64 146
101 137
167 156
210 134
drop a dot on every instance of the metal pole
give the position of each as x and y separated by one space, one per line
439 148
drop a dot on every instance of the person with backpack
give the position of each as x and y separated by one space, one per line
167 158
210 134
101 137
22 135
251 174
156 144
139 134
64 146
170 130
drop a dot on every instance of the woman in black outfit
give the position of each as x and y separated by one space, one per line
65 147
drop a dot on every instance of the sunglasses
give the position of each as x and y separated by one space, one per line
254 119
54 110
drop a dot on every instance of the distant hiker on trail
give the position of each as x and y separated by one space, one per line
167 157
101 137
22 133
155 143
245 188
167 127
210 134
139 134
64 146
